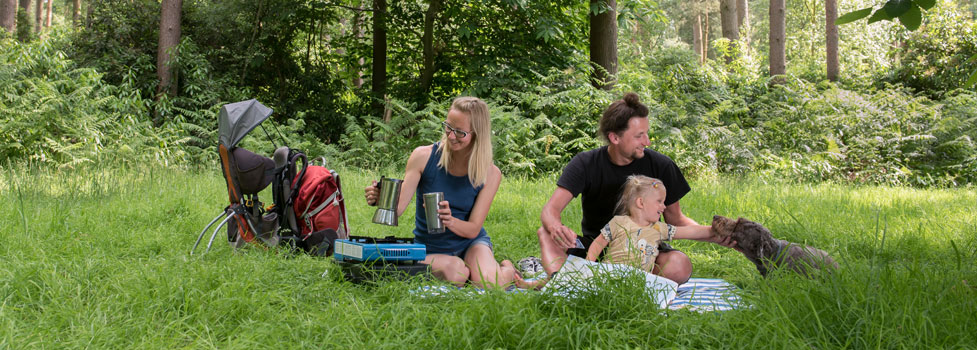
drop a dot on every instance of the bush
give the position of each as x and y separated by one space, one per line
708 125
935 59
54 112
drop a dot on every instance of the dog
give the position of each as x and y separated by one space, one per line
769 253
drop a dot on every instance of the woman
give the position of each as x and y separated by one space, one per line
459 165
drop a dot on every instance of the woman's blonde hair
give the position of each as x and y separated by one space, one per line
481 158
634 187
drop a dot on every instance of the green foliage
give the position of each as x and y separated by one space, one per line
24 25
52 111
485 47
539 128
711 120
936 59
374 143
528 60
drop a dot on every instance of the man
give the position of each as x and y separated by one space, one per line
598 175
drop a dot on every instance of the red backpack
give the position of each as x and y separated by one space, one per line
319 204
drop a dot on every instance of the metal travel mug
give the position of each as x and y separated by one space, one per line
434 223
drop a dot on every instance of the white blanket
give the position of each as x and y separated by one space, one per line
577 275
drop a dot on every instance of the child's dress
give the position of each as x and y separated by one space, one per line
632 244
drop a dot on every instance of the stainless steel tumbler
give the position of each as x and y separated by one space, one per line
431 200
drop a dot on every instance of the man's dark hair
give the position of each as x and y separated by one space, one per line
617 115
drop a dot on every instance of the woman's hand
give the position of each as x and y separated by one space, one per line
444 213
371 193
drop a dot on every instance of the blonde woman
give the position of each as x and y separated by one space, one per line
459 165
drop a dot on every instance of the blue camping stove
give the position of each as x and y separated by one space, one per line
367 259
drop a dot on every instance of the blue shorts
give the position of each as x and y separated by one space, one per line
484 240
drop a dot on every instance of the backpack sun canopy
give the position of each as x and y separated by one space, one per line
238 119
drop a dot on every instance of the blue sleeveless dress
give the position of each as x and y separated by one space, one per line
459 193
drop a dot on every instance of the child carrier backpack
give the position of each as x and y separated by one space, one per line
307 212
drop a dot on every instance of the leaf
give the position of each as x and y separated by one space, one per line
896 8
879 15
853 16
926 4
970 82
912 18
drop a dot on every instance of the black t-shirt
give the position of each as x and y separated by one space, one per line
592 174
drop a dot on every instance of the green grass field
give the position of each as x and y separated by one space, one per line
99 259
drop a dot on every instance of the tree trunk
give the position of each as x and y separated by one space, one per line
705 37
50 11
38 8
778 35
76 13
727 16
697 38
743 19
427 72
379 80
358 31
88 13
169 38
603 45
24 21
8 15
831 40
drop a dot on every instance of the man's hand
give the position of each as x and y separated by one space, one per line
563 236
727 242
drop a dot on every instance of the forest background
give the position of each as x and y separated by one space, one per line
86 82
862 146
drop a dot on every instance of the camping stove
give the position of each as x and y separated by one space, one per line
390 249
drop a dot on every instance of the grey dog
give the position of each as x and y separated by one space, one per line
768 253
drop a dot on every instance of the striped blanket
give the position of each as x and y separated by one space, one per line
698 294
706 294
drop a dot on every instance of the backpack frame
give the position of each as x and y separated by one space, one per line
246 173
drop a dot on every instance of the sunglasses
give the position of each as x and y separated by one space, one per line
458 133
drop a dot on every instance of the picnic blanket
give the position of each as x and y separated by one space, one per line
698 294
706 294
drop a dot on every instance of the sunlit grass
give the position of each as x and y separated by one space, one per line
97 258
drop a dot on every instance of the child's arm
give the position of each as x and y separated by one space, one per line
694 232
596 247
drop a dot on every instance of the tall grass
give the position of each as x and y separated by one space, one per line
97 258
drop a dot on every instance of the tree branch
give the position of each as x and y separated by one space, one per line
352 8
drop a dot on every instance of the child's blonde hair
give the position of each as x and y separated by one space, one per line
636 186
480 161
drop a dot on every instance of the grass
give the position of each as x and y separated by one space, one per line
97 258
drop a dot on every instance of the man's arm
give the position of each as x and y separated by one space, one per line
675 217
551 218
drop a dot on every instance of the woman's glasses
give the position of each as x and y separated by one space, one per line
458 133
